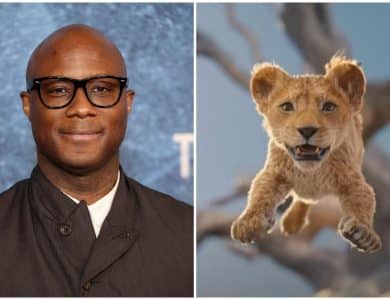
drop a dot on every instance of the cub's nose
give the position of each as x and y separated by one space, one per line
307 132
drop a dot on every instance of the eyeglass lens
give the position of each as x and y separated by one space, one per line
100 91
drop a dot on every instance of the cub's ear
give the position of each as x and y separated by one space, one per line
265 79
348 77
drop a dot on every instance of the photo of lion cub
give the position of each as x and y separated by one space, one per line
315 149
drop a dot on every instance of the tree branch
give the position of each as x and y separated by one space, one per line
207 46
310 29
317 266
245 32
376 109
212 224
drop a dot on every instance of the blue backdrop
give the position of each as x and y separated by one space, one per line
157 44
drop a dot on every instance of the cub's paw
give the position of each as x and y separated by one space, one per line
291 224
250 227
359 235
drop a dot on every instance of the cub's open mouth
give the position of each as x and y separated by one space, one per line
307 152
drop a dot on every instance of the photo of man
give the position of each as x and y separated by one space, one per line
79 225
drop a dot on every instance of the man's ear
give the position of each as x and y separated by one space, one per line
129 99
26 103
265 79
348 77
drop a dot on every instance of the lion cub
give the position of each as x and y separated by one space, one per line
315 149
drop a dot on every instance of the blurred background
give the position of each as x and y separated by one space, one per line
156 41
231 147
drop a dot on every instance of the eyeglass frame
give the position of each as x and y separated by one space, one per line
36 84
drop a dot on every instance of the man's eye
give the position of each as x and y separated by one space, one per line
100 89
58 91
287 107
329 107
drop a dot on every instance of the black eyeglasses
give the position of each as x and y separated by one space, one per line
58 92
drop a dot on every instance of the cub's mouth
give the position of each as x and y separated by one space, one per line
307 152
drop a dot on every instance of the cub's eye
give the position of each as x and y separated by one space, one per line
329 107
287 107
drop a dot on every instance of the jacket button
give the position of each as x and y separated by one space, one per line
87 286
65 229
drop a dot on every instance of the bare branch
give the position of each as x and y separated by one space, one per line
376 110
310 29
246 32
212 224
249 252
386 294
207 46
350 286
376 169
317 266
378 164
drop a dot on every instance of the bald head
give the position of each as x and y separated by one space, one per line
69 45
81 136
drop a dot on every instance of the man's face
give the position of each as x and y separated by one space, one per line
79 137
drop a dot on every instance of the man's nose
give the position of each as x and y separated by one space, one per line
80 105
308 131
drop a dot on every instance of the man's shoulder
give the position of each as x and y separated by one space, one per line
13 190
163 204
12 196
158 197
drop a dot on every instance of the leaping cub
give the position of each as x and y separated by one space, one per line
315 149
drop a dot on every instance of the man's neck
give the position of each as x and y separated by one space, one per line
83 185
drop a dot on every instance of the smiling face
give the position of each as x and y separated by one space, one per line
79 137
308 116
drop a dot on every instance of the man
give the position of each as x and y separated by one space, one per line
78 226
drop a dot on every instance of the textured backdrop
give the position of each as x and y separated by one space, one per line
157 43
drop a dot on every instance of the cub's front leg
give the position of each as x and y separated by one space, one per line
267 190
357 200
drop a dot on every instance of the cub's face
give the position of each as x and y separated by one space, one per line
308 115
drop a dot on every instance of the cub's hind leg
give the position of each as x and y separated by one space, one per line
295 217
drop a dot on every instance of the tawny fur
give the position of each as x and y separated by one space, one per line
338 173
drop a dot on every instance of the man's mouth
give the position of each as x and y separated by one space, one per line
307 152
81 135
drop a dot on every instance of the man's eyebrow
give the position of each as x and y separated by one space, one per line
101 74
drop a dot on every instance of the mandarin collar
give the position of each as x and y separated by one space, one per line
58 206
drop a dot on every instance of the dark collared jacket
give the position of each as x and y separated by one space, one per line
48 246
